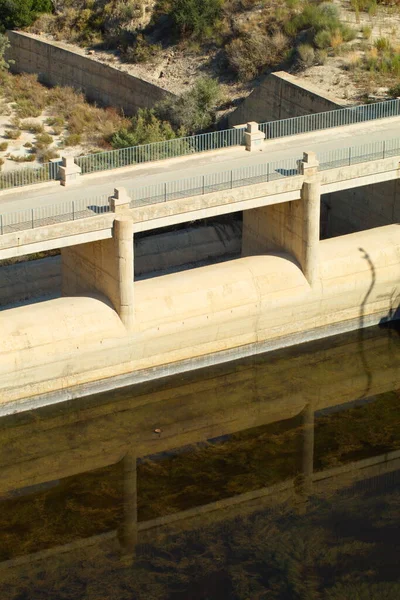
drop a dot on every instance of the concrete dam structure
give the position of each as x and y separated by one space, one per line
288 286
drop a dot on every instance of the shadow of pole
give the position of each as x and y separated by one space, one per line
361 324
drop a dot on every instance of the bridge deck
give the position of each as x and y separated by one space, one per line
212 162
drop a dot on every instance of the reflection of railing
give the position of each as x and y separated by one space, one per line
330 119
327 481
195 186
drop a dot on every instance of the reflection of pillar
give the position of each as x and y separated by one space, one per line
305 479
308 448
129 526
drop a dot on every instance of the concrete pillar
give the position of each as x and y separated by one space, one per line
311 199
69 171
128 531
253 137
124 250
104 267
289 227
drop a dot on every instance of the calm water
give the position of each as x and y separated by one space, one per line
275 477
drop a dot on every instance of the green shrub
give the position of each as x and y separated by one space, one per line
395 91
306 55
194 110
249 54
366 32
2 161
32 126
382 44
58 121
74 139
23 158
44 138
27 145
12 134
27 108
21 13
322 39
145 128
3 146
142 51
196 18
323 23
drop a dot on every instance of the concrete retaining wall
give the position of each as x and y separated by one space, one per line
30 279
101 83
281 96
360 208
36 278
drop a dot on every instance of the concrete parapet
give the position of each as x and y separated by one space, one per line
309 164
119 202
69 171
253 137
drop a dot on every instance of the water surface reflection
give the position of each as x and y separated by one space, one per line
273 477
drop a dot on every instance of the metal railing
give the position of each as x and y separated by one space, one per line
29 175
193 186
359 154
333 118
213 182
51 214
112 159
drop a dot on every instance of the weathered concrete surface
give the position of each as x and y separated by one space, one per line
30 279
101 83
282 96
173 212
192 409
104 267
360 208
155 253
209 310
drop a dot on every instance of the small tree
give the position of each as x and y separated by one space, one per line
4 45
194 110
21 13
145 128
195 17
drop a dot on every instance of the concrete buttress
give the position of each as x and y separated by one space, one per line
104 267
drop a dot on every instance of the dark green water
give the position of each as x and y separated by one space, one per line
274 477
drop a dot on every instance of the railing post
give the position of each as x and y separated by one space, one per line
231 178
165 191
203 184
1 224
73 210
32 218
349 156
384 148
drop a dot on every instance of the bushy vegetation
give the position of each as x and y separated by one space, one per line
194 110
144 128
21 13
197 18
